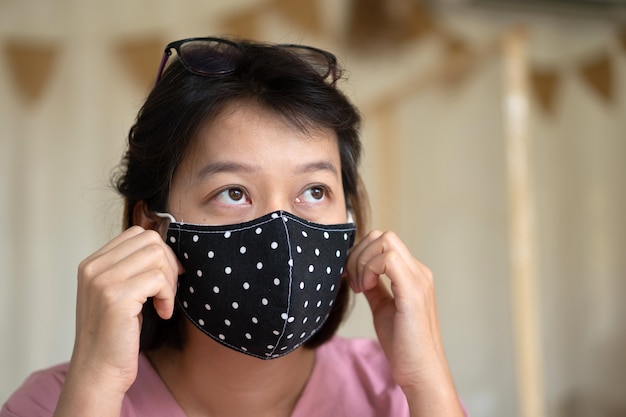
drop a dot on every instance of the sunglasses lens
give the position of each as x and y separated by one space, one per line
319 61
208 57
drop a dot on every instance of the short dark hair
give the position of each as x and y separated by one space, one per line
182 103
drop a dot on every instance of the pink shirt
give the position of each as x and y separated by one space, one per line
351 377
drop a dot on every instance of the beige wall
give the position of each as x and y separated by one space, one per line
435 166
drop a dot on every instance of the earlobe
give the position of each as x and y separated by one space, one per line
144 217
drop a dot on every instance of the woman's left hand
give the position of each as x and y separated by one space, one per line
405 319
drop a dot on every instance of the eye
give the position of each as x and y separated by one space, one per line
232 196
314 194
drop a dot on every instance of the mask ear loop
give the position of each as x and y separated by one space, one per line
165 224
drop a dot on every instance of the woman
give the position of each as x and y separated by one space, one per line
223 294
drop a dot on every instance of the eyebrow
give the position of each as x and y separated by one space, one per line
220 167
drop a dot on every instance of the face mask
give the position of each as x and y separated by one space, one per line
262 287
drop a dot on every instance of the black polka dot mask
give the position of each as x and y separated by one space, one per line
262 287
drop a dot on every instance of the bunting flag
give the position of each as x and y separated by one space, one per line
243 25
376 24
141 58
304 13
598 74
31 64
545 84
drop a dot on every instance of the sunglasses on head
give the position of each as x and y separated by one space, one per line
216 56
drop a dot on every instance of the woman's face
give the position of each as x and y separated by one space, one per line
248 162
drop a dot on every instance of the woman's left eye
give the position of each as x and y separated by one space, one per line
314 194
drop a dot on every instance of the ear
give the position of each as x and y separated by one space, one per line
144 217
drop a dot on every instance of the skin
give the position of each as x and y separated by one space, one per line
243 165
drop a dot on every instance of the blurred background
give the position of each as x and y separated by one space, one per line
495 145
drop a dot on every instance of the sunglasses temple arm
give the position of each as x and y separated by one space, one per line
164 59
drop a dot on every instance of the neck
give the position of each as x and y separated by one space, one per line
208 379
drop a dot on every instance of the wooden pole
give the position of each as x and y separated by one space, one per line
525 299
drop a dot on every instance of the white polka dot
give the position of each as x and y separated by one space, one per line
246 286
306 303
317 320
302 335
208 307
274 245
185 304
235 305
221 336
305 320
259 265
332 287
302 285
319 303
291 319
328 270
228 270
326 235
172 239
211 254
311 268
298 249
290 262
248 336
270 346
304 234
290 335
317 252
345 236
275 332
319 286
227 235
195 238
258 230
274 215
191 290
331 302
341 270
199 273
338 253
201 322
242 250
264 301
255 320
284 316
284 347
216 289
186 255
227 322
276 281
244 349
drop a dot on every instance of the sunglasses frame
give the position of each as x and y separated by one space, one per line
296 49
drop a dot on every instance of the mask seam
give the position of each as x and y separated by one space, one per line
282 218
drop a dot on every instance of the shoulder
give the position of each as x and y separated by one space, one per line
354 377
38 395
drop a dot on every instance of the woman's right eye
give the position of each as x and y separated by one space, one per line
232 196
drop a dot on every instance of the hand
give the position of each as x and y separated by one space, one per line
405 318
113 285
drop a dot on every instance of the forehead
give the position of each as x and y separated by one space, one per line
246 131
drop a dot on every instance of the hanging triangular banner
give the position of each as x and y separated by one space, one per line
31 65
244 25
545 85
305 13
598 74
141 58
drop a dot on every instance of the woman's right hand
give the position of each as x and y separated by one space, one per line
113 285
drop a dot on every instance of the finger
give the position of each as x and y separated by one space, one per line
355 254
153 283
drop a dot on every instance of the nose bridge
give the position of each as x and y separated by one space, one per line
276 200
